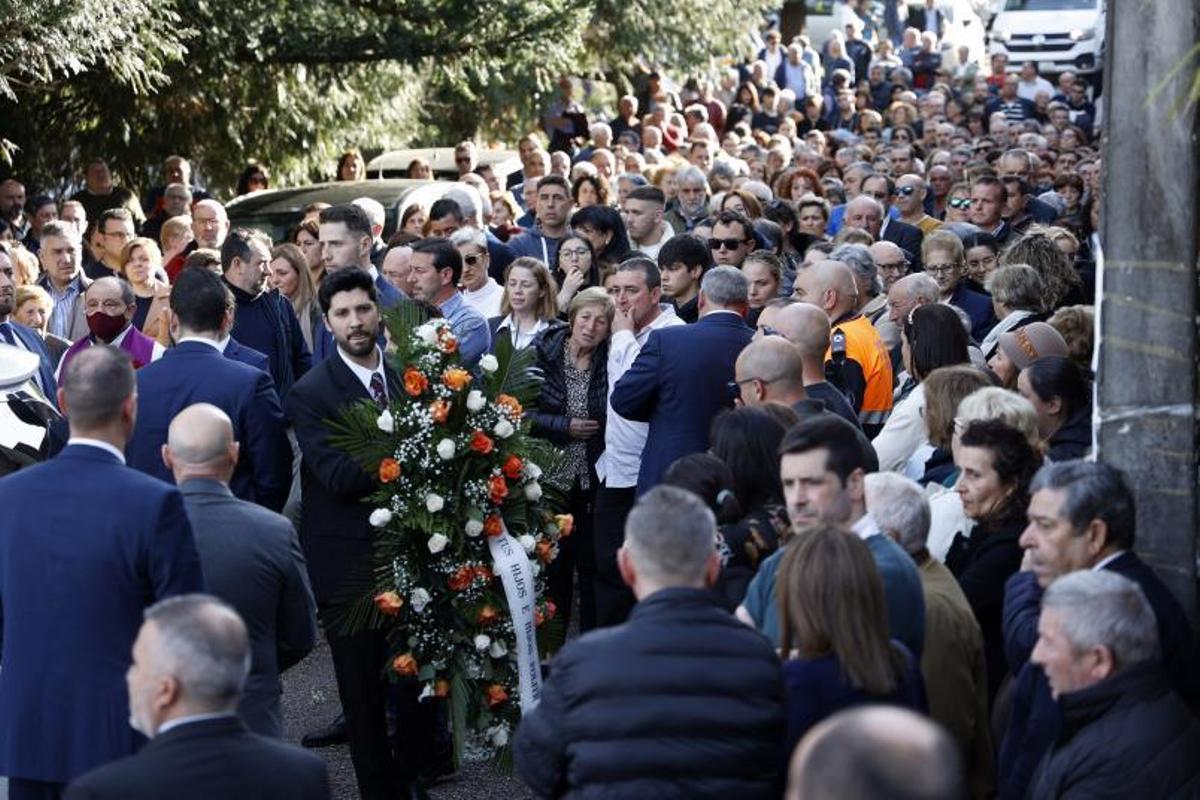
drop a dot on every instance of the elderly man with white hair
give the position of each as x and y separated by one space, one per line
952 661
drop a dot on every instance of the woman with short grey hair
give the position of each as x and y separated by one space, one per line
1018 298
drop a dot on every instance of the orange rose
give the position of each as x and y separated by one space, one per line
447 342
455 378
441 688
389 470
497 489
461 579
404 665
483 572
495 695
415 383
488 615
389 603
544 551
565 523
439 410
512 467
509 404
493 525
481 443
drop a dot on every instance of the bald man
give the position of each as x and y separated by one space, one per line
251 558
876 751
891 262
769 370
807 328
857 360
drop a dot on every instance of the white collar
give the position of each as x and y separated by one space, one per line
121 336
361 372
105 446
178 721
1104 562
223 345
213 343
866 527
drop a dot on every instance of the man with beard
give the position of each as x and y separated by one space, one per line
335 531
691 203
12 207
110 305
18 335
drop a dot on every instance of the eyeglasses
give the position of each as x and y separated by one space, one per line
121 234
905 191
898 266
734 388
573 252
767 330
473 259
941 269
959 202
724 244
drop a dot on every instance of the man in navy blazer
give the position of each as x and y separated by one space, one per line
679 380
18 335
195 371
236 351
104 542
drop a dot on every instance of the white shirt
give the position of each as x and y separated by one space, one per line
486 300
903 432
155 354
1104 562
947 518
1029 90
624 439
364 374
866 527
521 338
213 343
175 723
651 248
105 446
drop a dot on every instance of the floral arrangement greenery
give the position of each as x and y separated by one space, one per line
456 466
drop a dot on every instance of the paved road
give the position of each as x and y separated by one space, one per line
310 700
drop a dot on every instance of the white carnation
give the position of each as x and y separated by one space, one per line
535 567
473 527
482 642
503 429
434 503
427 334
528 542
498 650
498 735
532 470
380 517
386 422
533 491
426 692
475 400
437 543
445 449
419 599
489 363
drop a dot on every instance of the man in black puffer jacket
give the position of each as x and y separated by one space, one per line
682 701
1125 733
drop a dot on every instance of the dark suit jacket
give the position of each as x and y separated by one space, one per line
86 544
907 237
263 576
323 344
194 372
206 760
237 351
677 383
34 344
978 307
917 18
334 530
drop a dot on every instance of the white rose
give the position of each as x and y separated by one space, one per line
528 542
473 527
427 334
434 503
533 470
489 363
503 429
536 567
499 736
419 599
498 650
426 692
386 422
475 400
533 491
437 543
445 449
482 642
380 517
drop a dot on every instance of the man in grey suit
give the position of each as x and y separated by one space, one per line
250 555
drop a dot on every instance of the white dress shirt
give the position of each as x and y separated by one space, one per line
364 374
105 446
486 300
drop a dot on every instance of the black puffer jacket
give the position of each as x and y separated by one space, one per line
683 702
1126 737
550 420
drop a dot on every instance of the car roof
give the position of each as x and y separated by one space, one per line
441 161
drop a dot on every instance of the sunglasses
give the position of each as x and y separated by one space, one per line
960 202
905 191
473 260
724 244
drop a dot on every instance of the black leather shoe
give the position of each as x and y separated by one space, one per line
333 733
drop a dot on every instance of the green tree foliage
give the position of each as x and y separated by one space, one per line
292 83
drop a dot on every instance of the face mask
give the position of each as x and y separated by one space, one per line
105 327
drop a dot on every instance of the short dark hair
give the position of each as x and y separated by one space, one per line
747 439
979 238
1013 458
991 180
936 338
445 255
650 194
446 208
734 218
554 180
1093 491
1059 376
198 299
346 279
833 434
710 479
41 200
237 245
645 266
95 384
350 215
122 214
686 248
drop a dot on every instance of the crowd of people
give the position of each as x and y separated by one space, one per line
816 339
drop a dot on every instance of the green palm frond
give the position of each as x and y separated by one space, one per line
356 432
401 320
518 374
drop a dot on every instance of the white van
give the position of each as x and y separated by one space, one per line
1058 35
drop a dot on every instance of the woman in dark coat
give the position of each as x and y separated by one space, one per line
571 413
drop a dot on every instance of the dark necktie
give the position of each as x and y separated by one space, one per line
6 333
378 392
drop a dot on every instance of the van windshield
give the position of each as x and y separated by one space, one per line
1050 5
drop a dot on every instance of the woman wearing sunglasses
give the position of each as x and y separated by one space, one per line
480 290
958 204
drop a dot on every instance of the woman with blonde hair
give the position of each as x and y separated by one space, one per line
32 308
141 262
174 237
291 276
529 305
